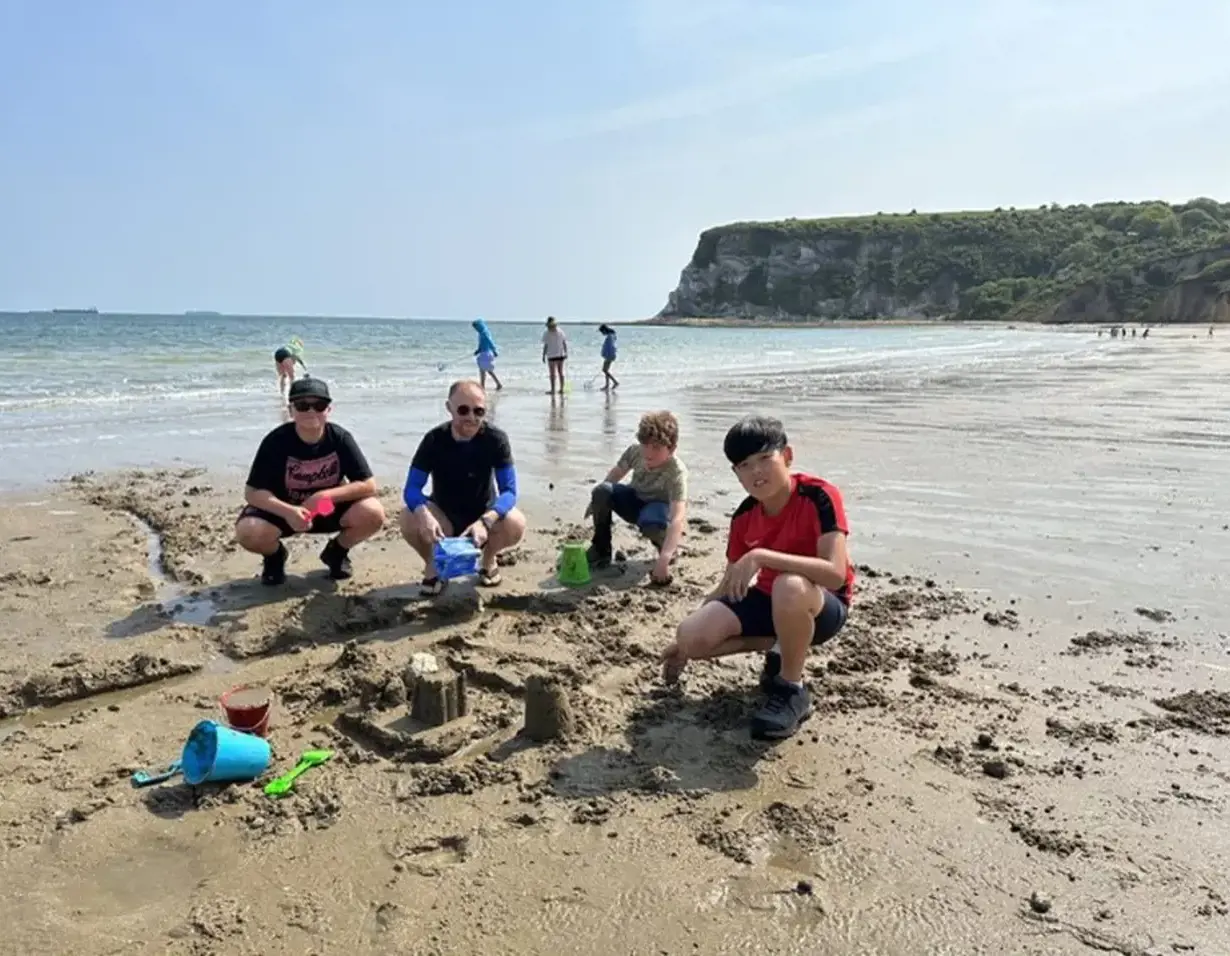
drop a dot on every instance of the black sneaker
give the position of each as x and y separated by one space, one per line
772 667
337 560
785 707
598 558
273 567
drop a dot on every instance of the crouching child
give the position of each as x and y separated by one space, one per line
788 580
654 500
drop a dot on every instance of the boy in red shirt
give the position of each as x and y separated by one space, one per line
788 580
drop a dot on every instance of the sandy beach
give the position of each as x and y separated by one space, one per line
1020 745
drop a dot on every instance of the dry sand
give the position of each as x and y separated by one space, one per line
1019 746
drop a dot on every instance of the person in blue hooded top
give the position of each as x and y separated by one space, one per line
608 357
485 354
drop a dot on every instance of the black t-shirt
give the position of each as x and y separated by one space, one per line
463 472
294 470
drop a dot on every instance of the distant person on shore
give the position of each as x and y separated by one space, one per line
655 500
485 354
284 361
555 352
298 466
609 352
473 488
788 580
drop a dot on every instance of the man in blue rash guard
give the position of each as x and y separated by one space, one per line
464 457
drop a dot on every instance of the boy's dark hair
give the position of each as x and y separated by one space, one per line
754 435
660 428
605 329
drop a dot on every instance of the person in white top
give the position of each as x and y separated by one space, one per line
554 352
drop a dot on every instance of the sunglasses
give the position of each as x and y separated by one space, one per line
465 410
310 406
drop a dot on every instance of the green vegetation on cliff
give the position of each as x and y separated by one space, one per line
1057 263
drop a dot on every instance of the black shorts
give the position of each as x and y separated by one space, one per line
281 355
329 525
755 613
460 520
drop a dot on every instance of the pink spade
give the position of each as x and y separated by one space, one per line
322 509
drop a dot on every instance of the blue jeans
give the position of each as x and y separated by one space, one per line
609 499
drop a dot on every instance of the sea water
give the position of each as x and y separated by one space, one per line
81 392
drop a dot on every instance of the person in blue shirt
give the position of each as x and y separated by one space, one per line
608 357
473 488
485 354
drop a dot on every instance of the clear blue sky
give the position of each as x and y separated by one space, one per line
400 157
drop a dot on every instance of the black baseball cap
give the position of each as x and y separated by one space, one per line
309 388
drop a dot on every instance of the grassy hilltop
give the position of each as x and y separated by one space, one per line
1149 261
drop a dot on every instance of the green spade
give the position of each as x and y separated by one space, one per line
285 783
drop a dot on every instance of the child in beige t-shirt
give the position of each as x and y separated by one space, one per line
655 500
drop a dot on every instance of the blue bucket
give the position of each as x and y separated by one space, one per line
456 558
216 754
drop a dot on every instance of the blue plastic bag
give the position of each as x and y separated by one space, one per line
456 558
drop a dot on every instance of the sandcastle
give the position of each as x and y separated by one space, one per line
437 694
548 714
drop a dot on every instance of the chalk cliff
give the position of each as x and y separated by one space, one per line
1112 262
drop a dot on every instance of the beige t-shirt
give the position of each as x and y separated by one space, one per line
556 343
668 483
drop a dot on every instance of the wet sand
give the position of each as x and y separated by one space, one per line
1020 740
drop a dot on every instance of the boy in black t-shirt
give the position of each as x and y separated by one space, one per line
297 466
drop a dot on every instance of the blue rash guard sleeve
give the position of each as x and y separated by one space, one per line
506 484
415 495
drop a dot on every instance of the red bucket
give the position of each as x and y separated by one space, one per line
247 709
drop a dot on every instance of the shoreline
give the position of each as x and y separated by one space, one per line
811 322
730 322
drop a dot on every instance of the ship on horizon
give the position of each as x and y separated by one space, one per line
92 310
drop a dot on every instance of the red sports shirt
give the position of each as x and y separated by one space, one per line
815 508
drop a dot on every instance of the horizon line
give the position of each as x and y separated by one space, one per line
291 316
